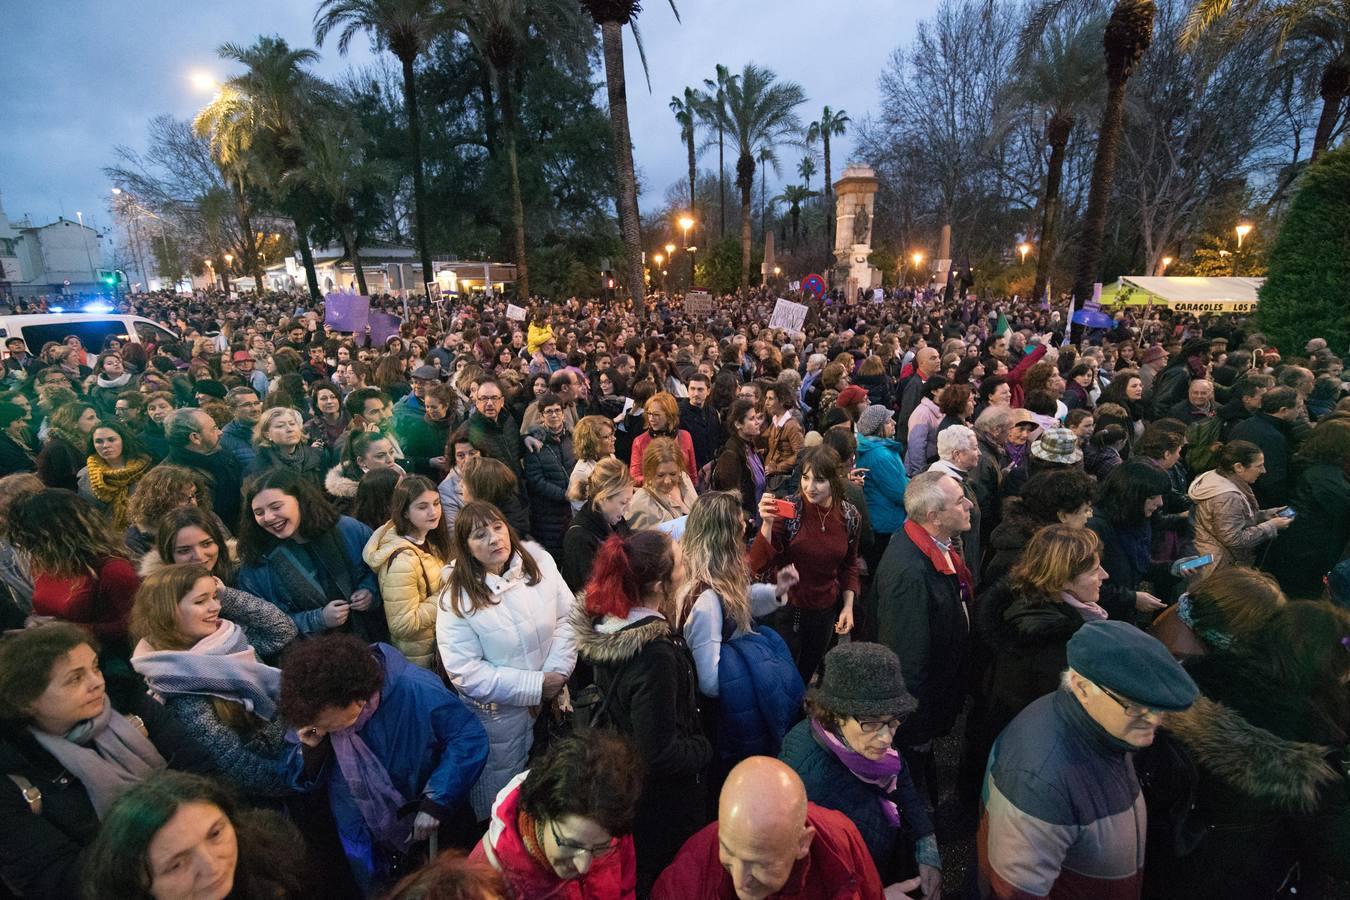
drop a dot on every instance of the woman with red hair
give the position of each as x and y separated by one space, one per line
648 687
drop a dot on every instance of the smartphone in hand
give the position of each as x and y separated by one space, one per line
784 509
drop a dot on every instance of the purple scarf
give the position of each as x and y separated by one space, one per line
882 773
368 781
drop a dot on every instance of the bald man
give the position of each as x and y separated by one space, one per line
768 842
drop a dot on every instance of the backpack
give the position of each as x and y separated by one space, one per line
1204 440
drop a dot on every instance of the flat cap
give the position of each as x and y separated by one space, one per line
427 373
1118 656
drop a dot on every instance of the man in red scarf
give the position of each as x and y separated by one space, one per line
923 591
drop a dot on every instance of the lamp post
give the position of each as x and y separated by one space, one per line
1166 261
918 261
1243 229
1024 249
685 223
660 258
212 266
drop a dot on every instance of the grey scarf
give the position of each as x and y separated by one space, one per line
108 754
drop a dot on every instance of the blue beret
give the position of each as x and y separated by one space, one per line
1118 656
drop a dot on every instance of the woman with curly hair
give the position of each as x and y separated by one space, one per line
667 492
398 739
592 441
298 553
67 443
162 490
81 572
112 470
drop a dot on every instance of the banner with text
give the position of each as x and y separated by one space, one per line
787 315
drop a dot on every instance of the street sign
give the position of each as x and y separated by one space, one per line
814 284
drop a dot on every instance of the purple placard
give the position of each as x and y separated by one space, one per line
383 326
346 312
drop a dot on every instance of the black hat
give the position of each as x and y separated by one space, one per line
1117 656
210 388
863 679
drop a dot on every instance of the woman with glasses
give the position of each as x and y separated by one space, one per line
844 756
563 829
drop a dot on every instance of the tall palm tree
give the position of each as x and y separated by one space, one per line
794 195
760 112
612 16
830 124
227 122
280 91
686 114
1129 31
1063 78
806 168
406 28
1313 36
714 114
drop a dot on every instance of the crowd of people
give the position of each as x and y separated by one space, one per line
594 605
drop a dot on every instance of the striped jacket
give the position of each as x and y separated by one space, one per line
1063 816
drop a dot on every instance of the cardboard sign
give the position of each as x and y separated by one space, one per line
434 292
346 312
787 315
878 295
383 326
698 303
515 313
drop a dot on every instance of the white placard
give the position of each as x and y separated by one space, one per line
787 315
878 295
515 313
795 286
698 303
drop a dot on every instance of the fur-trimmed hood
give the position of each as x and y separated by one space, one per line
339 485
1260 764
151 563
611 640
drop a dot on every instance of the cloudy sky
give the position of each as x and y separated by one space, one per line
82 76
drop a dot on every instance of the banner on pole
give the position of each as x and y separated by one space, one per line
383 326
346 312
787 315
698 303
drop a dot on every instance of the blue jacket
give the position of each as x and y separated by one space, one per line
761 693
237 438
884 487
429 742
259 580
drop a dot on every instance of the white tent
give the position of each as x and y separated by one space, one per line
1191 294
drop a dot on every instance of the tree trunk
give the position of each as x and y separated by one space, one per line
307 256
419 184
507 102
489 110
354 254
1334 87
1057 133
630 225
829 188
796 219
693 174
250 264
763 201
745 180
722 181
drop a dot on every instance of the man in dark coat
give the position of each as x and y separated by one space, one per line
492 430
1269 430
923 587
699 419
547 471
194 443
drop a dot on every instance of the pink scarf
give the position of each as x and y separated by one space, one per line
368 781
1088 611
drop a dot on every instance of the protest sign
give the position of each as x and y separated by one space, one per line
787 315
434 292
515 313
383 326
346 312
698 303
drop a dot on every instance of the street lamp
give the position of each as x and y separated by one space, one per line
670 251
203 81
1242 231
686 222
1024 249
1166 261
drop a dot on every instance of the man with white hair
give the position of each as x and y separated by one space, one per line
923 586
810 389
959 456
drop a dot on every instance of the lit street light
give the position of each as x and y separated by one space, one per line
203 81
686 222
1243 229
670 251
1024 249
1166 261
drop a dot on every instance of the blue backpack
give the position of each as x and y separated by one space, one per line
761 693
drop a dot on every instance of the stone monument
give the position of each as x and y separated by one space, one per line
855 198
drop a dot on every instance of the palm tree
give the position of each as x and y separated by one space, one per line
686 114
406 28
227 122
761 112
1129 31
1311 36
1063 78
830 124
280 91
714 114
806 168
794 195
612 16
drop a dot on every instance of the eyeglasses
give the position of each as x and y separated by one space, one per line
875 726
576 849
1131 709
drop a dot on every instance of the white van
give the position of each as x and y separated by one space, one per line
91 328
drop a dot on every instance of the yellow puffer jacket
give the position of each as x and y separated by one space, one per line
410 580
537 337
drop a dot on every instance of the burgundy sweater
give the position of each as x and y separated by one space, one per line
826 560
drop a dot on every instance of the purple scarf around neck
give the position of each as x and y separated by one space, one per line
882 773
368 781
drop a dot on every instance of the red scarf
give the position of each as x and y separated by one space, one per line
957 566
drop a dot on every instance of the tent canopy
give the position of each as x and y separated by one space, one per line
1191 294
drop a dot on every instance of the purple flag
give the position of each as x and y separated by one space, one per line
383 326
346 312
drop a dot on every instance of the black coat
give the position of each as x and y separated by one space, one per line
583 538
704 430
14 457
40 856
1308 549
647 673
1272 436
223 476
547 471
921 617
309 463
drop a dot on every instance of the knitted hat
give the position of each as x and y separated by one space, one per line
851 395
873 419
863 679
1057 445
1121 658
